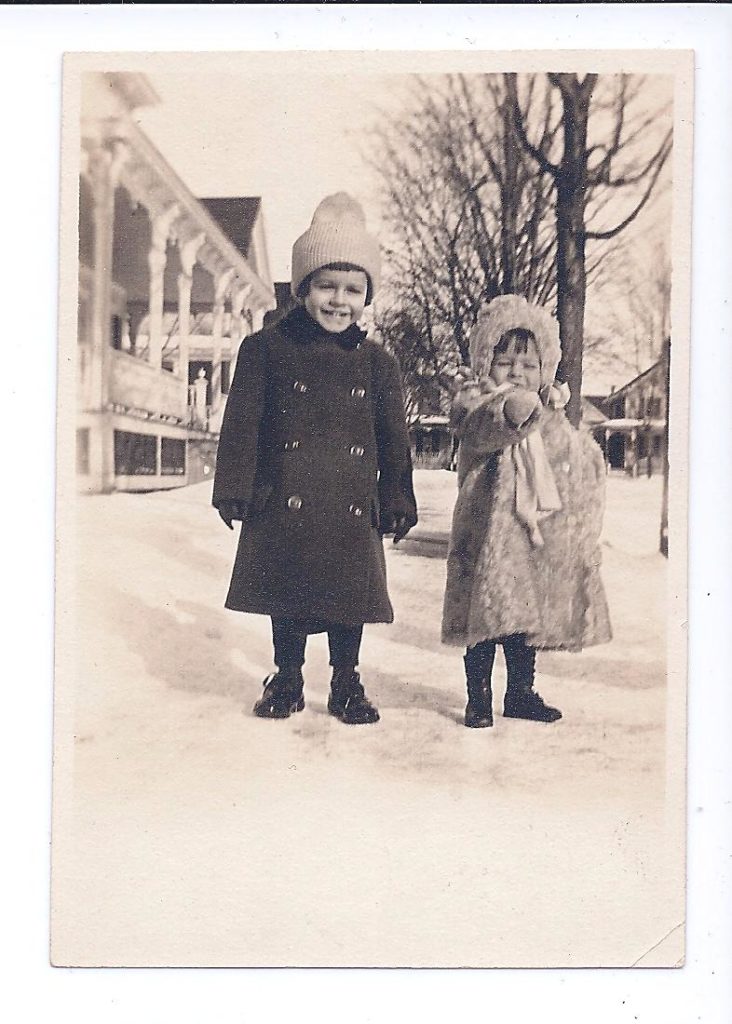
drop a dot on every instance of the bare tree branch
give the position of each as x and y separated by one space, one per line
662 156
518 123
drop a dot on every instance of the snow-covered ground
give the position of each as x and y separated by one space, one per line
189 832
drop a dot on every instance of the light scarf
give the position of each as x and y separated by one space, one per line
536 490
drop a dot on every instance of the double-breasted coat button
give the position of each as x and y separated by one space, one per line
300 386
294 502
355 510
356 449
358 392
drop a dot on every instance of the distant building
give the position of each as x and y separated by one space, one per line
591 413
633 433
168 286
432 441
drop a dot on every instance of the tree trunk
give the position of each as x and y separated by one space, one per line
571 283
510 198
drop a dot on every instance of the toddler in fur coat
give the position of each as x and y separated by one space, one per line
524 556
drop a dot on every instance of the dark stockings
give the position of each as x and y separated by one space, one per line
520 660
289 637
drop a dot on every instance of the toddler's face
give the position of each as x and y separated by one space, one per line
336 298
519 368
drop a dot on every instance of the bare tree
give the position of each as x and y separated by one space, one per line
587 175
636 300
468 218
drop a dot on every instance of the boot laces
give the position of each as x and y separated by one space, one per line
354 691
281 685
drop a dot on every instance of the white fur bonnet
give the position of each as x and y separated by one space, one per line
504 314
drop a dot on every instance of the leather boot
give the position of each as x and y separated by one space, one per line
282 694
478 669
522 700
525 702
347 701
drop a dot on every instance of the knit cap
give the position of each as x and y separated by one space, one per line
337 234
504 314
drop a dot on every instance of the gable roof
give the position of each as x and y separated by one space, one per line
631 383
590 412
236 217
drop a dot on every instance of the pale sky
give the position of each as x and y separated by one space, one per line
290 140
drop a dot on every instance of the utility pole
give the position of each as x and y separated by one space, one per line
666 363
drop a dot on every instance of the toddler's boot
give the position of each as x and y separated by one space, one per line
522 700
282 694
347 701
478 669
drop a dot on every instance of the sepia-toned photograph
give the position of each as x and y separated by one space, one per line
372 460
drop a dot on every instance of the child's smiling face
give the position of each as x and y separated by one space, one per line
336 298
518 364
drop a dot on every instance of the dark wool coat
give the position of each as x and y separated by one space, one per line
314 444
498 583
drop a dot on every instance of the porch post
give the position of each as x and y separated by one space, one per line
238 324
157 258
257 319
102 170
188 252
221 286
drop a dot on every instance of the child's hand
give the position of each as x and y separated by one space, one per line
402 528
231 510
398 525
520 406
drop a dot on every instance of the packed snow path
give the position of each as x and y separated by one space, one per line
199 834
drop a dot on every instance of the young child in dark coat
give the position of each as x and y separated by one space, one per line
314 460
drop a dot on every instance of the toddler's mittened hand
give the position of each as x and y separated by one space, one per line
520 405
231 510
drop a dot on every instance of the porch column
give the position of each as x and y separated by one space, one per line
238 323
634 449
221 286
257 319
157 258
188 252
607 452
102 170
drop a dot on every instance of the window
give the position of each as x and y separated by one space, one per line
225 376
654 408
115 333
172 456
82 451
83 323
657 444
135 454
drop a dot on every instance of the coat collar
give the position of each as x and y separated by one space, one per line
300 327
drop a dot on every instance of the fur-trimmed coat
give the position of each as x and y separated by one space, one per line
314 447
498 582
